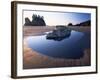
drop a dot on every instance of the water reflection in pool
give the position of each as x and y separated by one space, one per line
70 48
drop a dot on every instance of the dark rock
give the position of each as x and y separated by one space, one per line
85 23
59 33
27 22
38 20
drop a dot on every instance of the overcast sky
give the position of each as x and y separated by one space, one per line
58 18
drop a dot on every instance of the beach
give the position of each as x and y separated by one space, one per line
33 59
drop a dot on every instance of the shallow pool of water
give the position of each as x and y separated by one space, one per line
71 47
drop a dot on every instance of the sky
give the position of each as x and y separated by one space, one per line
58 18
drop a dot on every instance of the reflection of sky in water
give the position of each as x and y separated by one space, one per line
71 47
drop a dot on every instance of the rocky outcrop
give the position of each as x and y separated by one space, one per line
27 22
37 20
85 23
59 33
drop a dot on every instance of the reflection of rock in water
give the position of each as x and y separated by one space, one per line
60 33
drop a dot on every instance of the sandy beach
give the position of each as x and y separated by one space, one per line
33 59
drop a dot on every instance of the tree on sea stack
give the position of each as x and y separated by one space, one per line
38 20
70 24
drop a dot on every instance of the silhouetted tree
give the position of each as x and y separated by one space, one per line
70 24
27 22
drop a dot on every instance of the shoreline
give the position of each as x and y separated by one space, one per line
33 59
33 31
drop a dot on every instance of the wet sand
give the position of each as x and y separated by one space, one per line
33 59
32 31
